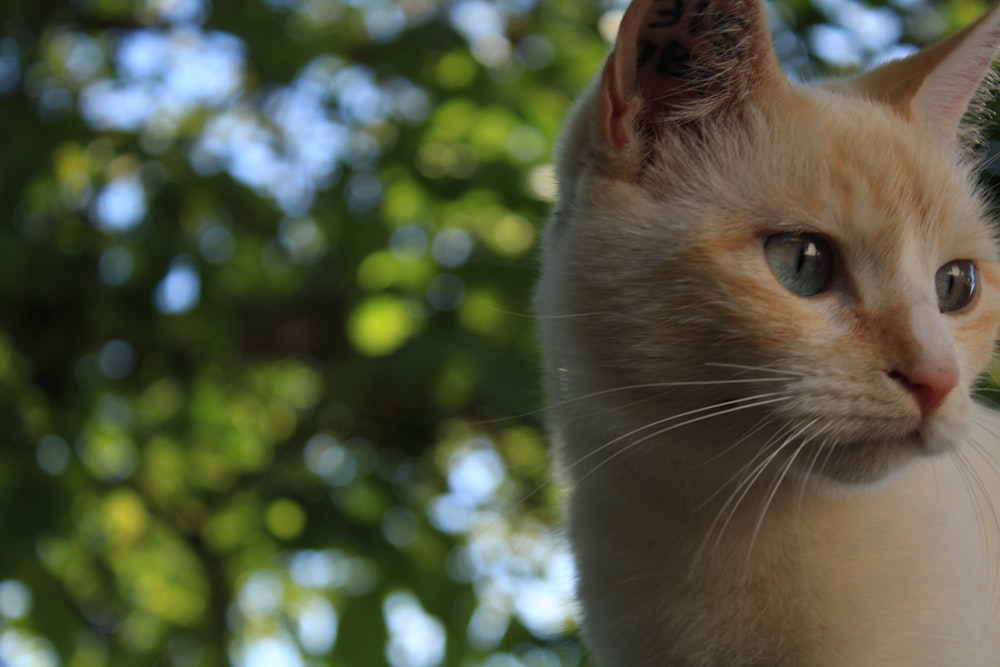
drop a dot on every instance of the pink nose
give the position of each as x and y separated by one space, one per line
930 385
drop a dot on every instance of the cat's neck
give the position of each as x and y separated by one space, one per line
795 557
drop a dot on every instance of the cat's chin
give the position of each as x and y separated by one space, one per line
868 461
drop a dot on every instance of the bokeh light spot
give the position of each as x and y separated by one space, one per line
116 359
400 527
15 599
121 204
52 454
513 235
21 650
408 243
416 639
380 325
179 290
115 266
317 625
452 247
268 652
285 518
109 454
327 458
455 70
216 243
446 292
125 517
475 472
525 143
10 66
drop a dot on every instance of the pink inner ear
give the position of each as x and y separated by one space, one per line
949 87
615 109
619 98
936 85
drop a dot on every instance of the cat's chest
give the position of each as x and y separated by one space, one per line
892 576
876 579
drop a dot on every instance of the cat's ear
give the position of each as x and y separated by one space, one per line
936 85
676 61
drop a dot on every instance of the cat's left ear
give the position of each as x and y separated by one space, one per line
678 63
936 85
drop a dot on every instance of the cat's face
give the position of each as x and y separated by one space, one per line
813 266
837 255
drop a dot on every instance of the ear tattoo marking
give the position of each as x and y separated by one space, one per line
645 50
674 60
671 17
709 43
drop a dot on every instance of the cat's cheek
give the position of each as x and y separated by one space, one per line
747 297
975 332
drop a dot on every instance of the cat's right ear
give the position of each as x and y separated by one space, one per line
676 62
936 85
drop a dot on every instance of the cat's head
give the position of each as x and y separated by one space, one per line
815 262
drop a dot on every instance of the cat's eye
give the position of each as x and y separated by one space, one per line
955 283
801 262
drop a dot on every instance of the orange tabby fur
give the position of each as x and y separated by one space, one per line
754 476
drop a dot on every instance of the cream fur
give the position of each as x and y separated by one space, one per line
677 364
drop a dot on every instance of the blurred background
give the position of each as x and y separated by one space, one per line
268 375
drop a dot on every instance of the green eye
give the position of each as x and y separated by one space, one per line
955 283
801 262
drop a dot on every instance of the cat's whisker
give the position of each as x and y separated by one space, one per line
785 372
988 455
746 436
740 476
751 402
804 479
779 478
991 461
739 473
775 485
768 453
976 490
749 399
747 477
614 455
563 316
633 387
734 405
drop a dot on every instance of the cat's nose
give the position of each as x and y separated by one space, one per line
929 384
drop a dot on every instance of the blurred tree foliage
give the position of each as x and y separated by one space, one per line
267 368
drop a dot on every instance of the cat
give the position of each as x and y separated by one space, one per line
762 308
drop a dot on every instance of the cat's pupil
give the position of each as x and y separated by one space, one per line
955 283
801 262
